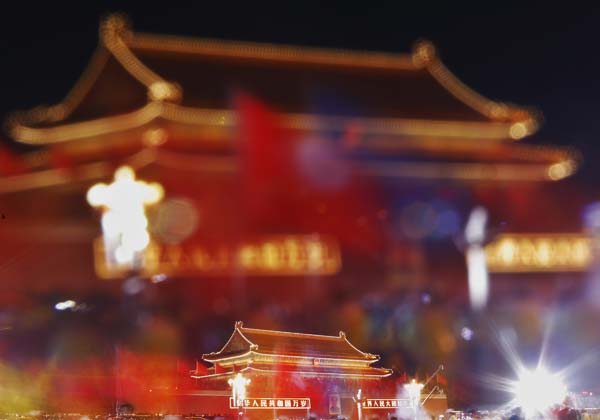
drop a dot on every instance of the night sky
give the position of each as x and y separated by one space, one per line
536 53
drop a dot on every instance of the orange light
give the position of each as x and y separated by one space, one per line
282 255
561 170
539 253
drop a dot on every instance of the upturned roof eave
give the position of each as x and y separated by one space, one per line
22 131
563 166
119 41
252 348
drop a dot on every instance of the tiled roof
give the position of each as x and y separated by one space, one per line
139 78
283 343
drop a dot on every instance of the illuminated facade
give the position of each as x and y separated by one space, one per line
166 107
149 94
342 194
298 375
523 252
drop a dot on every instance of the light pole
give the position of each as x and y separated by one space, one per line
414 395
238 386
475 236
358 399
440 367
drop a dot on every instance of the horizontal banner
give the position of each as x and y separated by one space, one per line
387 403
274 255
514 253
271 403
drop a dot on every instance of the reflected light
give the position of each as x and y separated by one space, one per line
64 305
537 391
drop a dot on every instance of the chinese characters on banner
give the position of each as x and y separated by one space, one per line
271 403
386 403
522 253
279 255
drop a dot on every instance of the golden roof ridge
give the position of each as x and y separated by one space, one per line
383 372
290 333
341 337
423 56
526 121
494 131
62 109
274 52
235 330
118 39
563 167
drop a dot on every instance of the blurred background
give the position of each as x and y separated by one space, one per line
428 223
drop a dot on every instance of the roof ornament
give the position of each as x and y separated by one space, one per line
342 334
162 90
113 28
424 53
498 110
239 324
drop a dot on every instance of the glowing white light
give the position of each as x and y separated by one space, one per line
414 392
537 391
64 305
466 333
159 278
238 386
124 222
476 258
358 399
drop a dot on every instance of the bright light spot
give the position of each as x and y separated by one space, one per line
561 170
475 228
518 130
64 305
476 260
539 252
507 251
163 91
159 278
123 255
154 137
124 222
238 386
414 392
537 391
466 333
135 240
